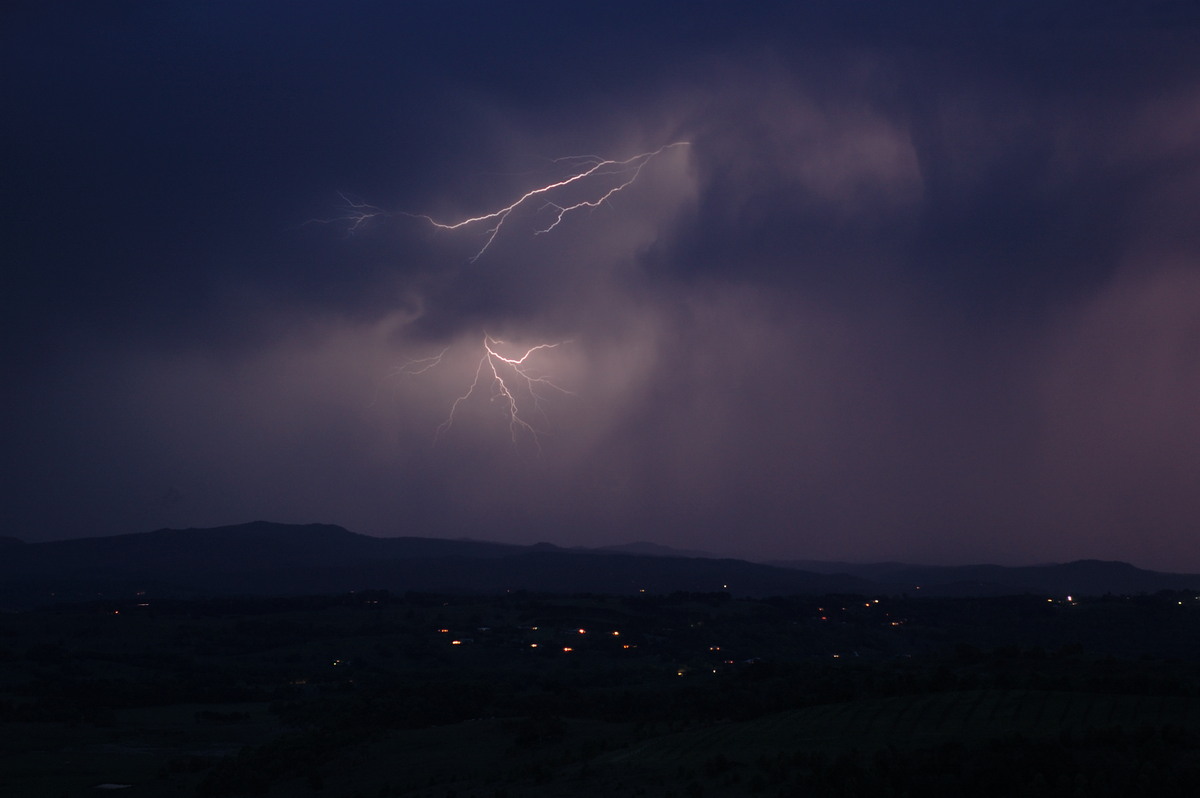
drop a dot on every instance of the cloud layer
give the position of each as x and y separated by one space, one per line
930 302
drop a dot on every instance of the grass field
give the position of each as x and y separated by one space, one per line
132 747
369 697
486 758
918 721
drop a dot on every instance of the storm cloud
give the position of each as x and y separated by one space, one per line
919 288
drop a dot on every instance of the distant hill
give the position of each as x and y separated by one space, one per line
656 550
264 558
1081 578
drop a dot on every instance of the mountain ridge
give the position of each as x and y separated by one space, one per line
263 558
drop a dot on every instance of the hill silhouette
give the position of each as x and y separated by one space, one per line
1079 578
263 558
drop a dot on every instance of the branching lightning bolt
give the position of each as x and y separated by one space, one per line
492 363
587 168
512 381
422 365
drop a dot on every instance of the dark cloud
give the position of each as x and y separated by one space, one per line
919 286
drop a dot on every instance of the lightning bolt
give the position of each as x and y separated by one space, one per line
513 381
421 365
583 170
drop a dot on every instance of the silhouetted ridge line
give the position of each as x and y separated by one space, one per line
264 558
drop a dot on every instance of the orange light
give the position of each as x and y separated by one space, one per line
567 648
456 642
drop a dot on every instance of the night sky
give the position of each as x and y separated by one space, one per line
920 282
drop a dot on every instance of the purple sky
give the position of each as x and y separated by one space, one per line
923 285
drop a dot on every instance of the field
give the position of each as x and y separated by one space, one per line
360 696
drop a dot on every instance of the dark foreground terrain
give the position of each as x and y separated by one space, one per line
685 694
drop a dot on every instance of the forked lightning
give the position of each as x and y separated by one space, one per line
588 169
514 381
